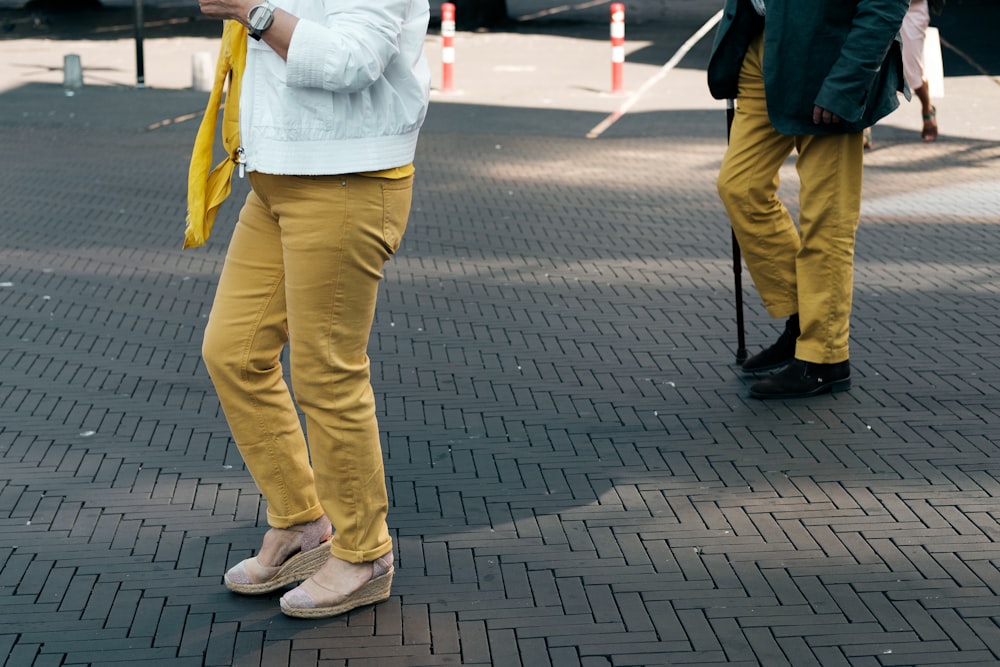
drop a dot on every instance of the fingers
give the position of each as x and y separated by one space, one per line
220 9
823 116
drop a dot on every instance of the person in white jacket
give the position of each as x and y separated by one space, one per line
333 96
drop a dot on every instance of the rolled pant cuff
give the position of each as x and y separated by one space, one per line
355 556
781 311
311 514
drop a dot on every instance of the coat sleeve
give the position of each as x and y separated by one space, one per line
846 89
739 25
351 49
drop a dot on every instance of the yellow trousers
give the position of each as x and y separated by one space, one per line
303 269
807 269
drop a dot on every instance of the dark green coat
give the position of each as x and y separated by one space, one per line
842 55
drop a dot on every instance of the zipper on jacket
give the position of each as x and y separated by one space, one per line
241 161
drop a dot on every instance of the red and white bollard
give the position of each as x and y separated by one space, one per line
617 47
448 47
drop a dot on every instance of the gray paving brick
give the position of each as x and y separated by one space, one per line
170 626
444 632
699 630
22 654
221 643
275 653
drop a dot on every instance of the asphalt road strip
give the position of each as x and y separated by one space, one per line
561 9
617 115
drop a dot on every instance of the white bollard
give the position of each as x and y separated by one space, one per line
72 71
202 71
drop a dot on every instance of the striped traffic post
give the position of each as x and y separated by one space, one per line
617 47
448 47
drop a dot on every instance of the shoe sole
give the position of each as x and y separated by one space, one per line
831 388
298 568
374 591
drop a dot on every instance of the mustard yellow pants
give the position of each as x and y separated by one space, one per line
807 269
303 269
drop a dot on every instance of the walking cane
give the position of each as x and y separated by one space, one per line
741 343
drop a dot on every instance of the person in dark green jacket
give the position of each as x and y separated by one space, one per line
807 77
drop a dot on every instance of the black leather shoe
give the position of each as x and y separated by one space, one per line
801 378
779 354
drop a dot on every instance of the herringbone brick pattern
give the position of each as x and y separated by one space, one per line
576 474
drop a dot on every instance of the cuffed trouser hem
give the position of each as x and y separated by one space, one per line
352 556
782 311
311 514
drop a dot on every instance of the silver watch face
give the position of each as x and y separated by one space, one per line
261 17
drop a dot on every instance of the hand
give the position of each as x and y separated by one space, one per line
824 116
226 9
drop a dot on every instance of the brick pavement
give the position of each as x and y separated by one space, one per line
577 476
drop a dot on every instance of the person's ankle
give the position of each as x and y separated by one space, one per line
280 544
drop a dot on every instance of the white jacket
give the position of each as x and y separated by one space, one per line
351 97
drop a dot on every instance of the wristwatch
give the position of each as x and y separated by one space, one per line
260 19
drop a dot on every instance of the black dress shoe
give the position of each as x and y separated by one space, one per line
801 378
779 354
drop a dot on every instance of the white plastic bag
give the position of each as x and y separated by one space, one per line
933 65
